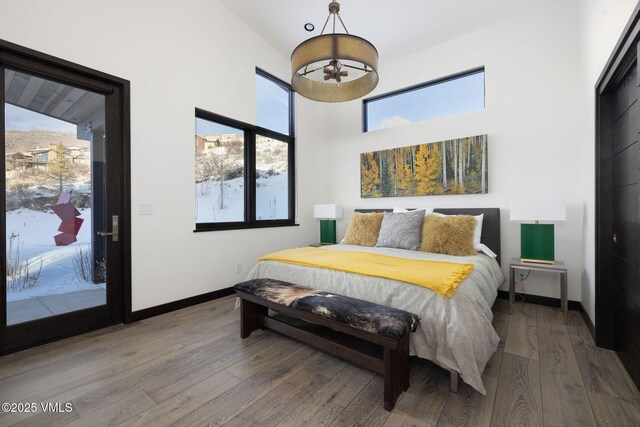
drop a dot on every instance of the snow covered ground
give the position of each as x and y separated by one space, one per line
271 199
35 232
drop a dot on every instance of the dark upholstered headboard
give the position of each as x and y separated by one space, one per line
490 223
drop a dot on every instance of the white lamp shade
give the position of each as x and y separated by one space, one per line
547 209
327 211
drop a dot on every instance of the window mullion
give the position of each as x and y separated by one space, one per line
292 118
251 175
292 180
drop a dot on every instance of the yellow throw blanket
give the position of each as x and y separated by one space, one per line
439 276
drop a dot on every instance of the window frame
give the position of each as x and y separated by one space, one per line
419 86
250 135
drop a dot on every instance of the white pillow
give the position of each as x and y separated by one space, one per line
488 252
427 211
476 234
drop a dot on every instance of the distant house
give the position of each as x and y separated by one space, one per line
200 143
213 141
23 160
79 155
40 157
18 161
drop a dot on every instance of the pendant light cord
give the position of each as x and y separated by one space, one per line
325 24
334 23
343 26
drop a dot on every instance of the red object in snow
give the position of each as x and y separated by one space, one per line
70 225
65 211
64 239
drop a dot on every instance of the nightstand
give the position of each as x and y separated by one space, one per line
558 267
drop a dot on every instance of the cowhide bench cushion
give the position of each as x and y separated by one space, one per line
387 327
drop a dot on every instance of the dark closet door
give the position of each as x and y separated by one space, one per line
618 296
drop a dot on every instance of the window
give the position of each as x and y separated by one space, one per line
245 173
273 104
444 97
272 178
219 172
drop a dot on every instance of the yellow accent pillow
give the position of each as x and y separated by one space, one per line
363 229
449 235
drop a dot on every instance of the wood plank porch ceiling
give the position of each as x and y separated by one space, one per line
50 98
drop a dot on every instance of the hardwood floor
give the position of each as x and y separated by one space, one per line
191 368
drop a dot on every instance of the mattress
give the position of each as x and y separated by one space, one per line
455 333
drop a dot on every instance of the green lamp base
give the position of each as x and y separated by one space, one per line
328 231
537 243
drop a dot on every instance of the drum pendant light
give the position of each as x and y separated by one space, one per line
334 67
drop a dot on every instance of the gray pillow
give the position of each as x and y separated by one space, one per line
401 230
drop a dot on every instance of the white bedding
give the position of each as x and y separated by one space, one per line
455 333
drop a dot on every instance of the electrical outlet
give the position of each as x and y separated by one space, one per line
238 267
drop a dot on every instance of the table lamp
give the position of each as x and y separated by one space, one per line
537 240
327 215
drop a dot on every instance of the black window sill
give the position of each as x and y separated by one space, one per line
241 226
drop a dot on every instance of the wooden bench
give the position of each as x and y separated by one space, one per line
370 335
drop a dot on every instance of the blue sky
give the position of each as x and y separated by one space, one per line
444 99
272 106
205 127
17 118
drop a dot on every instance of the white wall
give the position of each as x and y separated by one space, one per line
531 118
601 25
178 56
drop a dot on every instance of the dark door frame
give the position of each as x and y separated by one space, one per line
623 57
90 79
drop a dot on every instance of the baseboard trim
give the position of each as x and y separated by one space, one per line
146 313
540 300
589 322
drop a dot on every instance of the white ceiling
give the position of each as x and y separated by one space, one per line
396 28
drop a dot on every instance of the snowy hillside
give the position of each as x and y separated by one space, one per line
271 199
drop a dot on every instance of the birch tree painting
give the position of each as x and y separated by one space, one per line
457 166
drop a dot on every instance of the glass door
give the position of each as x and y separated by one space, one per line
61 218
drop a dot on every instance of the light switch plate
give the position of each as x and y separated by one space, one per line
145 208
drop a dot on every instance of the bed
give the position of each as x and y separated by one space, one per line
456 333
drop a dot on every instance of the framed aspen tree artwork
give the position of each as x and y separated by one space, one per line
455 166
